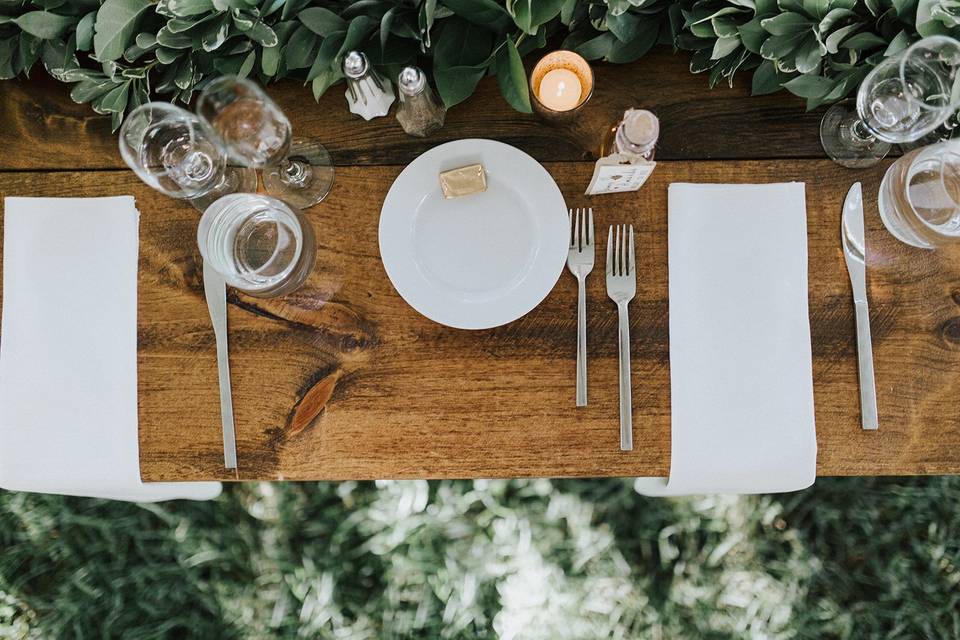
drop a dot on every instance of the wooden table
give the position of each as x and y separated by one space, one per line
344 380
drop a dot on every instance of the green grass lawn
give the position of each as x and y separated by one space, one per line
543 559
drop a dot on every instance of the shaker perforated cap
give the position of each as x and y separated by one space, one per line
411 81
641 127
355 64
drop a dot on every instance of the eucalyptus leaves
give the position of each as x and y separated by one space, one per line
116 52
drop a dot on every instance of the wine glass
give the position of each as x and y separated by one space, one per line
178 154
260 245
904 98
257 134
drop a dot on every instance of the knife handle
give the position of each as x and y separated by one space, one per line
868 389
215 291
226 401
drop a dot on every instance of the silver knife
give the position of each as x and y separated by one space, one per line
855 254
215 290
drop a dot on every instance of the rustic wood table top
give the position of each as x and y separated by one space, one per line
344 380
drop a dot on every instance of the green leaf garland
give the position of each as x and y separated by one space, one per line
513 78
115 26
119 52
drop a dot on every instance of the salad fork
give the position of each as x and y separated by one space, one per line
622 287
580 263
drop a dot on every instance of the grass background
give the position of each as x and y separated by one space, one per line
540 559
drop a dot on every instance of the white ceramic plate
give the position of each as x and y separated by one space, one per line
481 260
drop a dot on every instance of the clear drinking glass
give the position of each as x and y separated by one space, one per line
919 197
258 244
904 98
257 134
178 154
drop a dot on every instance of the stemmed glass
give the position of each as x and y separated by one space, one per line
256 133
904 98
178 154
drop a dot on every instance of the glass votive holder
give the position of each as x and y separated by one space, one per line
560 84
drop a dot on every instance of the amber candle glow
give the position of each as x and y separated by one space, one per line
560 84
560 90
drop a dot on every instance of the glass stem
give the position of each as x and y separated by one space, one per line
854 133
860 130
294 173
860 134
226 183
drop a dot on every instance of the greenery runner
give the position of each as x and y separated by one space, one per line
118 51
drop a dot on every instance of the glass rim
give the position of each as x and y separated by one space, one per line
231 199
923 43
262 95
899 59
131 156
950 150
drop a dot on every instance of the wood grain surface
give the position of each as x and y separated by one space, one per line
344 380
43 129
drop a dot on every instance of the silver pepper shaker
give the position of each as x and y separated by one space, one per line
368 94
419 113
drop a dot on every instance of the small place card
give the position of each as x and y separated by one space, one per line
614 174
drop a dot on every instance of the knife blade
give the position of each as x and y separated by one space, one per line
852 239
215 291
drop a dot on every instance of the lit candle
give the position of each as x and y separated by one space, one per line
560 90
561 83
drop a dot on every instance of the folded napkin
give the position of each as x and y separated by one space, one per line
68 351
740 360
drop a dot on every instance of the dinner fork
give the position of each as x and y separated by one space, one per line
580 263
622 287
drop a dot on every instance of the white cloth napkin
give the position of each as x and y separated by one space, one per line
68 351
740 358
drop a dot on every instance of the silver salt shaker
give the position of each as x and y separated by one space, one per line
368 94
420 112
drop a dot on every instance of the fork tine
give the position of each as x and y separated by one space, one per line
582 230
579 234
616 257
590 227
610 251
625 259
632 265
617 260
570 226
576 229
623 249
